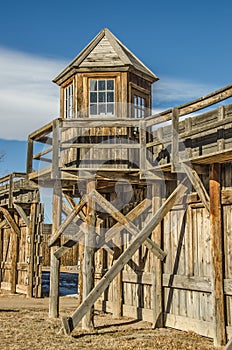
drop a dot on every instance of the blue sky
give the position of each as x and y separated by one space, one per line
186 43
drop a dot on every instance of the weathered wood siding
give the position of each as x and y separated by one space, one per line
199 136
21 255
187 271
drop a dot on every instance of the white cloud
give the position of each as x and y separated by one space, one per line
28 98
170 90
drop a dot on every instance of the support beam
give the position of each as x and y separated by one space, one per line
88 263
78 236
32 242
3 223
70 323
175 140
127 224
197 184
67 221
22 214
55 263
14 260
217 255
132 215
143 141
10 221
30 146
157 271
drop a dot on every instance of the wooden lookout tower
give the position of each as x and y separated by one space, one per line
147 199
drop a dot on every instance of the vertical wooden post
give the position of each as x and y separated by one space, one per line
142 139
88 263
217 255
31 238
14 260
117 281
81 249
55 263
175 139
11 185
1 252
157 290
29 155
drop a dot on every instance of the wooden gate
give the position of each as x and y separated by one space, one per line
20 248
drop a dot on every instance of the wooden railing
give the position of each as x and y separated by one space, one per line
114 144
13 185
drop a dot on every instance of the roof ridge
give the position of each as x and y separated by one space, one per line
124 54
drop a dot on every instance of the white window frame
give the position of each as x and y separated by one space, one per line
69 101
139 106
96 103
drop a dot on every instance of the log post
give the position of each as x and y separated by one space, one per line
1 252
157 290
30 155
31 237
117 282
14 260
88 263
217 255
55 263
175 140
142 137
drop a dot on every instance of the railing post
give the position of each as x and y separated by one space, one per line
175 140
29 155
55 149
142 140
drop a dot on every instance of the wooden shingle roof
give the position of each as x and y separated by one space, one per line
104 53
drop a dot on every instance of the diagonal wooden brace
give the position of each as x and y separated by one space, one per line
197 184
22 214
127 224
68 220
71 322
134 213
10 221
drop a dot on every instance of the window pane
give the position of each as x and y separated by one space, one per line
110 97
110 108
135 100
136 112
102 97
93 85
93 109
101 85
93 97
110 84
102 108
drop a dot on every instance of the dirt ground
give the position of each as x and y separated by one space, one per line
24 324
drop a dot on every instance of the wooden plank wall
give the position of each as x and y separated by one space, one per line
187 272
199 135
92 155
21 256
227 230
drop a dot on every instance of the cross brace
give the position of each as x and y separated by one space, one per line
70 323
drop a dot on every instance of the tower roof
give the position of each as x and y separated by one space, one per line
104 53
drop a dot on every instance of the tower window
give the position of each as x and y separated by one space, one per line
69 101
139 107
101 97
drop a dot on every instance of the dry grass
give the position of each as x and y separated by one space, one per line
25 325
